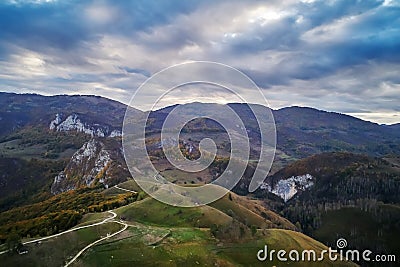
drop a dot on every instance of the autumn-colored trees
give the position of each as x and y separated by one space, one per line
58 213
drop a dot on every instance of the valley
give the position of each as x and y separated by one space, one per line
172 237
63 176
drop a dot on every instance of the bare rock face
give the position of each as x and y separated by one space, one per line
74 123
97 161
288 188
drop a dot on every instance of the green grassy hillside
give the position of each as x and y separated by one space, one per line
249 212
151 211
55 252
149 245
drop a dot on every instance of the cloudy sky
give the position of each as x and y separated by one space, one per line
336 55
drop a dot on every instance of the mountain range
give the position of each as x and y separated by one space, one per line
301 131
61 158
33 123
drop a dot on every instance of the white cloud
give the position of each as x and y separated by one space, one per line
101 13
325 55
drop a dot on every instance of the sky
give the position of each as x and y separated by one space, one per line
335 55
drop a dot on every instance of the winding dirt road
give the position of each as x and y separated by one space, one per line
68 231
107 220
97 241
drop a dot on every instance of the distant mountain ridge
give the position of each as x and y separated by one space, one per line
19 110
395 126
301 131
53 144
307 131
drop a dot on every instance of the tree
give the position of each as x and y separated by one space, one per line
214 229
13 242
298 226
141 196
253 229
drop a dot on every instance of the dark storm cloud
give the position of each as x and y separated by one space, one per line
341 55
280 35
324 12
374 35
40 27
65 25
137 71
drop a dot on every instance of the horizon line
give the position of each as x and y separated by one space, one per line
357 115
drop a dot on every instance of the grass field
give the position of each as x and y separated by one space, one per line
132 252
90 218
194 247
55 251
14 149
231 206
160 242
153 212
163 235
130 185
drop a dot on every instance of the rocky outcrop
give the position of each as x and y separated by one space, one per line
74 123
288 188
96 162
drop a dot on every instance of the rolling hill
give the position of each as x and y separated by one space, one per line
352 196
231 207
60 157
20 110
54 128
215 235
